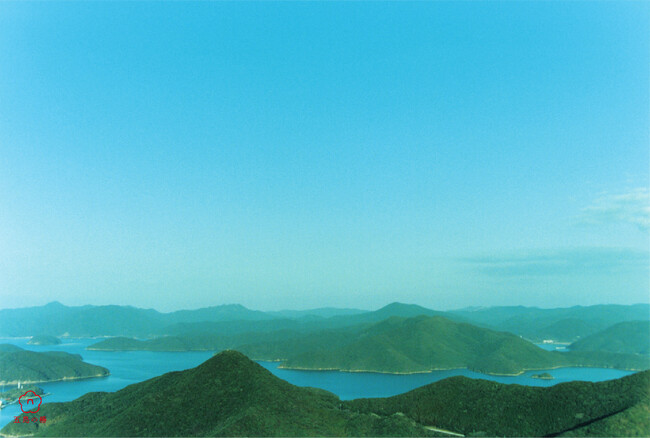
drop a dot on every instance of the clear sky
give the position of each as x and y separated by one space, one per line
305 154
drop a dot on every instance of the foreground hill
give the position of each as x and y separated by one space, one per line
18 365
625 337
616 408
228 395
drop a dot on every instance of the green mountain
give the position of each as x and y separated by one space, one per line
559 324
394 345
44 340
617 408
625 337
90 321
228 395
316 313
19 365
421 344
562 324
216 313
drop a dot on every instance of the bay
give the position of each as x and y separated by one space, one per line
134 366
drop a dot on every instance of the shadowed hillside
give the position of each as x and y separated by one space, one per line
615 408
230 395
625 337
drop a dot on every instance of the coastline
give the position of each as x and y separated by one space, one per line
9 383
523 371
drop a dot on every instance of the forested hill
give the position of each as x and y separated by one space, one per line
394 345
230 395
19 365
422 344
55 319
625 337
617 408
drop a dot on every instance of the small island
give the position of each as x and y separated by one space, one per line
543 376
44 340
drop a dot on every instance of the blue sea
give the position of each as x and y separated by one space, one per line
131 367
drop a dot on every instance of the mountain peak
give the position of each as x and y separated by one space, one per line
404 309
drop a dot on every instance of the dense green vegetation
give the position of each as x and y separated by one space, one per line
422 344
616 408
44 340
6 347
394 345
626 337
19 365
229 395
559 324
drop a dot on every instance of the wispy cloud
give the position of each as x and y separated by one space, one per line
536 263
632 207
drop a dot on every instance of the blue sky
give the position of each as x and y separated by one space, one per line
304 154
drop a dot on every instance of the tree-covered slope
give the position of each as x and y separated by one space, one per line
421 344
395 345
626 337
426 343
34 367
228 395
615 408
560 324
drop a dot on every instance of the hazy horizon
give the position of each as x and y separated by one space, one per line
326 307
302 155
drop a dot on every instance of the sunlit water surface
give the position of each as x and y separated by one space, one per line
135 366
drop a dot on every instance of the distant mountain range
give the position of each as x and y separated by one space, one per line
558 324
230 395
19 365
561 324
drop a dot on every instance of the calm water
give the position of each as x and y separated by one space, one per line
132 367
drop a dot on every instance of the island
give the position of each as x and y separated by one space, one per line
397 345
44 340
18 365
543 376
246 400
